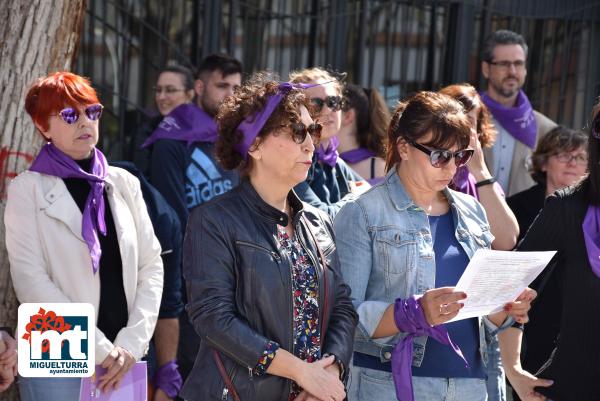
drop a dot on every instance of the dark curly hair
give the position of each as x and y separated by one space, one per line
558 140
468 96
247 100
424 113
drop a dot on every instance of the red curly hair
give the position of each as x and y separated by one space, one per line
50 94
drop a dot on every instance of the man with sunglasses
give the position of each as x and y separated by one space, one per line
184 168
519 126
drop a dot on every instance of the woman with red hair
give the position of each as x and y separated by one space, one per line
77 230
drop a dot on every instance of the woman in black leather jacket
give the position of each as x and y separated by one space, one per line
265 291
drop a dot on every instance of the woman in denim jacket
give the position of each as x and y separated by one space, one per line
390 241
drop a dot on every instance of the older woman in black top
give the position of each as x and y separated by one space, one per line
568 223
559 160
262 271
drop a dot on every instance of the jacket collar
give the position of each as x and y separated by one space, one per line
266 211
449 194
396 191
61 206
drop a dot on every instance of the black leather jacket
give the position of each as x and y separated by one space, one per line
240 291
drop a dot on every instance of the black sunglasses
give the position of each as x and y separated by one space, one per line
335 103
440 158
300 131
71 115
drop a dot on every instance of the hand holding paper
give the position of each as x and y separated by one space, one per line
495 278
519 308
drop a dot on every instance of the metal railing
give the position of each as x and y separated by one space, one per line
396 46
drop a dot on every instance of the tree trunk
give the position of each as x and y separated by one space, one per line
36 37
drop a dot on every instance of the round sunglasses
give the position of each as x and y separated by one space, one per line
300 131
71 115
439 158
335 103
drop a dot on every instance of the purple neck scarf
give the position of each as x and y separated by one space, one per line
376 180
410 319
330 155
464 182
591 235
186 122
519 120
52 161
251 125
357 155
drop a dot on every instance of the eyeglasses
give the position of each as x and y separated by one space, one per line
505 65
335 103
300 131
439 158
71 115
169 90
566 158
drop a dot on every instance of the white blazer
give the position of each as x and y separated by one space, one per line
50 261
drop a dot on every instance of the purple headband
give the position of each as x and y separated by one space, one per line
251 125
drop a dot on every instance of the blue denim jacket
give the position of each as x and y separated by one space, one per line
386 252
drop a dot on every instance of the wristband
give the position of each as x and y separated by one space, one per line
339 363
409 317
168 379
489 181
518 325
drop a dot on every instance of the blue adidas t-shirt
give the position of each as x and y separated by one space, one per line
205 179
450 261
188 176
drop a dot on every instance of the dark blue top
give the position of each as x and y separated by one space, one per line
451 261
168 232
325 186
188 176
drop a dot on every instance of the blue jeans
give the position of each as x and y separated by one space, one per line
49 388
369 385
496 382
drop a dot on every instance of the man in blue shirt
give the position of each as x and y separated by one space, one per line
186 173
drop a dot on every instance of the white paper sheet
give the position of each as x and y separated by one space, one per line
494 278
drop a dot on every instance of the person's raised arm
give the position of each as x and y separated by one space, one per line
503 223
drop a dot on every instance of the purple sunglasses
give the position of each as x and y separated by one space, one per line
71 115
